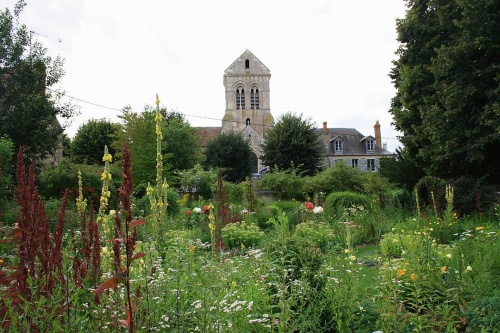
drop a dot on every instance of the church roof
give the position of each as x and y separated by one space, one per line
207 133
238 66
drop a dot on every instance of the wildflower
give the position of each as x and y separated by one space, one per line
206 209
401 272
244 211
352 258
443 269
479 228
468 269
309 205
197 210
112 212
276 321
318 210
413 276
191 248
448 256
188 212
1 261
242 246
346 251
233 283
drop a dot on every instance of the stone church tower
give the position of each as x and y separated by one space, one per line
248 110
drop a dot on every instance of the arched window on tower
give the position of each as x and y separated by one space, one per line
240 98
248 122
254 98
247 64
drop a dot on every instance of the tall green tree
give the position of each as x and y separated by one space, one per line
180 145
293 143
447 77
88 144
28 104
231 152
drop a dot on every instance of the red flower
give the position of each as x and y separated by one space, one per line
309 205
206 209
188 212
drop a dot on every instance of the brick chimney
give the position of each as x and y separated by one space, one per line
378 137
325 129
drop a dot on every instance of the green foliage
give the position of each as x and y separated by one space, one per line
6 176
27 109
448 95
285 184
198 181
54 181
430 191
241 234
142 205
138 130
401 170
182 142
88 144
319 233
293 143
337 202
338 179
231 152
483 315
235 192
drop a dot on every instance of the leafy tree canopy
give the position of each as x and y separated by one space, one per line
180 145
447 77
88 144
231 152
28 104
293 142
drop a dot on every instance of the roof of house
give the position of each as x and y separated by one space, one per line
352 142
207 133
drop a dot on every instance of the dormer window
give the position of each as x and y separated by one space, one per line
338 146
370 145
240 98
254 98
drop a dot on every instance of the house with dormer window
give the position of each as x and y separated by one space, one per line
350 147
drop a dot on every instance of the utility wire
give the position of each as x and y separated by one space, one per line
186 115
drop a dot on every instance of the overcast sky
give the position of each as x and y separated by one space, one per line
329 59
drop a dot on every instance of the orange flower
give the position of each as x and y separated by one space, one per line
479 228
413 276
443 269
309 205
191 248
401 272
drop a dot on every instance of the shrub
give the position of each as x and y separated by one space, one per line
319 233
235 192
338 179
241 233
483 315
429 187
286 185
142 206
336 202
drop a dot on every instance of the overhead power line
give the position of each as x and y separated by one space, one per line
186 115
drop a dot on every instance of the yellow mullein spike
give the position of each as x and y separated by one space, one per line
157 100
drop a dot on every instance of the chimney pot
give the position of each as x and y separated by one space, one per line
325 129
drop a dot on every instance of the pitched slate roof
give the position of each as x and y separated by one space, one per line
353 142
